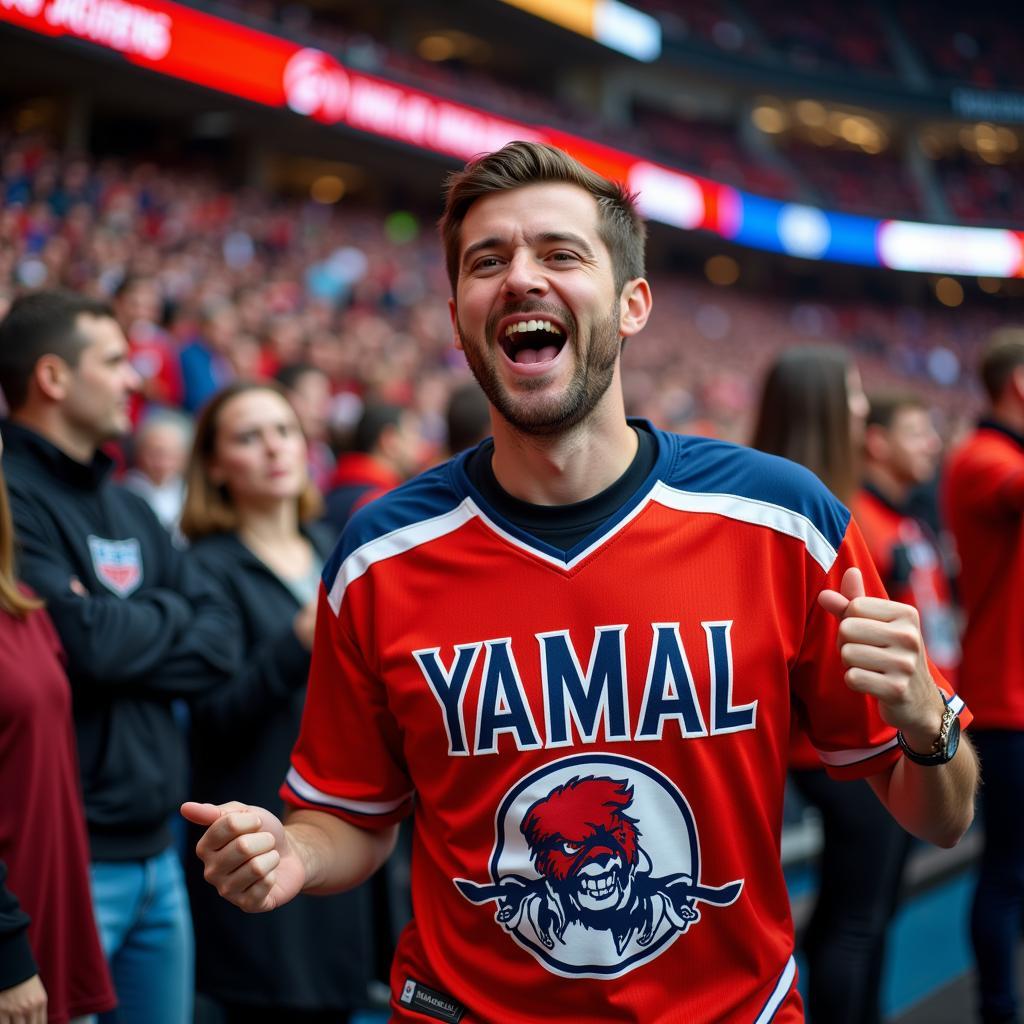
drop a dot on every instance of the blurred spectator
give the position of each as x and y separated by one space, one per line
139 625
901 452
984 497
42 830
309 390
137 303
250 517
206 364
159 455
468 417
813 410
385 449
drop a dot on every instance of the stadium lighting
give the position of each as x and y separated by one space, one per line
949 292
613 24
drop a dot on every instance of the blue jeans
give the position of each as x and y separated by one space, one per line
996 915
145 928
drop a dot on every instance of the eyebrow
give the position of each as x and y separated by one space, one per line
498 242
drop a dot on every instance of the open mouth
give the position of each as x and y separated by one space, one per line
598 887
532 341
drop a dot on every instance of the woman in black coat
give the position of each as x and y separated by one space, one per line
249 516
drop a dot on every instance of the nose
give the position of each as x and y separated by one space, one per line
523 276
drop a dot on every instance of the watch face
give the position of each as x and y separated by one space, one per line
953 738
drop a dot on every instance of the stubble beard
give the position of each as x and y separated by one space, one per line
591 378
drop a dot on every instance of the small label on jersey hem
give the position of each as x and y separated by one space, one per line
431 1003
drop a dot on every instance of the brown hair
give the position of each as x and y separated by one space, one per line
208 507
1003 354
12 599
885 406
39 324
805 415
619 224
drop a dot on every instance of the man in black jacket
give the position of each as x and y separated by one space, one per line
140 628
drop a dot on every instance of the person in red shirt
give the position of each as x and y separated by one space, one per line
574 650
386 448
901 452
60 972
983 494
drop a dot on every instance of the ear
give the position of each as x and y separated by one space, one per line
634 307
455 324
876 442
52 377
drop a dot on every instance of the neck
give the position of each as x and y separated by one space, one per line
58 432
567 467
270 524
896 491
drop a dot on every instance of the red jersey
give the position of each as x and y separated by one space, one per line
910 563
984 497
594 740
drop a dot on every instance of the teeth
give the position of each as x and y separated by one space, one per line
523 326
595 887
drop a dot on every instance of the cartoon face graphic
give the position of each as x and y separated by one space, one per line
584 843
576 879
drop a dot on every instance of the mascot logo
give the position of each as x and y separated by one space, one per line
596 866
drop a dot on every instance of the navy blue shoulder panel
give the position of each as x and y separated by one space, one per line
426 496
707 466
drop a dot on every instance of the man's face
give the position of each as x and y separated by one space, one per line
912 446
536 310
96 401
310 396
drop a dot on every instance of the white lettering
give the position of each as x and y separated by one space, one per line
121 26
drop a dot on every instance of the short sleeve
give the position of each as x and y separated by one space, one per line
845 727
348 758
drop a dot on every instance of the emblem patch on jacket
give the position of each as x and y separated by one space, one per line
117 564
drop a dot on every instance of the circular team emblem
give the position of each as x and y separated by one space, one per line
596 866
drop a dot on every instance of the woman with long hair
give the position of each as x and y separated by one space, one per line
249 514
813 410
59 973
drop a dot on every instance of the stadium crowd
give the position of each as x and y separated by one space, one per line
324 326
211 284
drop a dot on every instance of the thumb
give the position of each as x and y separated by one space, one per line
200 814
853 584
835 602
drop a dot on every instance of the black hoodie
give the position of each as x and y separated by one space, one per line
149 629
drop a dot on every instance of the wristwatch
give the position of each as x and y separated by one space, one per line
945 743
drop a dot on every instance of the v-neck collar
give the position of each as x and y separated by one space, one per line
523 539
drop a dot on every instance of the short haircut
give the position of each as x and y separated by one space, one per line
208 507
1003 354
376 418
518 164
288 376
468 417
42 323
885 406
805 415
